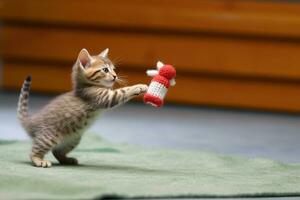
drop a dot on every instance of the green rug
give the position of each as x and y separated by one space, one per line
114 170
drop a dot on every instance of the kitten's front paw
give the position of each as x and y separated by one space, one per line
43 163
140 89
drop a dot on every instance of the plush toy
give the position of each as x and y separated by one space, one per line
163 77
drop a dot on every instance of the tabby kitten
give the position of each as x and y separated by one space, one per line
58 127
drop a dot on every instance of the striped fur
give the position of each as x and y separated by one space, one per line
58 126
23 102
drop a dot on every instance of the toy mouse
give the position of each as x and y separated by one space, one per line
163 77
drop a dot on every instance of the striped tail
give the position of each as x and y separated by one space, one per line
23 102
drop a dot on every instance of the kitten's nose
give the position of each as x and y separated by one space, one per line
114 77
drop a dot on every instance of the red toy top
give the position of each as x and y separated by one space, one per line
164 74
167 71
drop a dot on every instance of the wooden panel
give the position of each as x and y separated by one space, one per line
204 53
228 53
50 78
282 96
226 16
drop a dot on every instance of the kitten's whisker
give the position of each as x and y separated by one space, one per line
121 81
122 76
117 61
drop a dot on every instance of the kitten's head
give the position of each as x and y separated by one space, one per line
94 70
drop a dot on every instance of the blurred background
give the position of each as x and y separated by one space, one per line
238 65
242 54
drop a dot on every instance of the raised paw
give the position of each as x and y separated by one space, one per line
69 161
140 88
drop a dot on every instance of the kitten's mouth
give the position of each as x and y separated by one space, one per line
109 83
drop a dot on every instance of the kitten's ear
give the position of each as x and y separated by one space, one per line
104 53
84 58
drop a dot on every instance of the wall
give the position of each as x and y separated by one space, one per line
242 54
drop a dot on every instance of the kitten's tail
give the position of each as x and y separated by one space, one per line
23 102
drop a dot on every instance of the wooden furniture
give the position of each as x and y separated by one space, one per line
242 54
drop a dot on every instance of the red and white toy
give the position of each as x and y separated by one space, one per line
163 78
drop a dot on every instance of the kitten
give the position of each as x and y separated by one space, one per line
58 127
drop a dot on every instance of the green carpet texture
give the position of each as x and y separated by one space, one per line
125 171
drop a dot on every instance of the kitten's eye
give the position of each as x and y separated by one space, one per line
105 69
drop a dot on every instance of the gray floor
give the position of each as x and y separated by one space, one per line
250 134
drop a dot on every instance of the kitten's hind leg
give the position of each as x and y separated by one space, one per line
60 153
41 145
